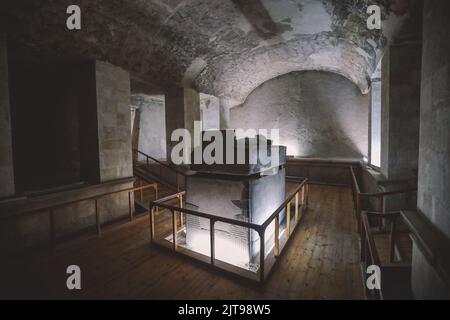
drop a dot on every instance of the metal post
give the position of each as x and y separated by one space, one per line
152 223
277 236
288 219
130 211
174 229
358 211
156 196
180 203
380 220
392 240
262 254
213 241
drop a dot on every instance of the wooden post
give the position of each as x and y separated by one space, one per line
213 241
142 191
288 219
276 249
296 208
175 230
97 218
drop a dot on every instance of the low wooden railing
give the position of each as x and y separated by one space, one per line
368 250
98 224
179 212
359 196
178 173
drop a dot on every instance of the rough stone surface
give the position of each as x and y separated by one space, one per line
219 47
434 155
152 125
319 114
400 109
6 160
210 111
114 124
434 152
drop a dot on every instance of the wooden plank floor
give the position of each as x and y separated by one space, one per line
321 262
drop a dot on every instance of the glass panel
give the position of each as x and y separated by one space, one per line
197 235
237 246
162 222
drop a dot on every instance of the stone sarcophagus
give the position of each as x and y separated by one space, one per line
246 192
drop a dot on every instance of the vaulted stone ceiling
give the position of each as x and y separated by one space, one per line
221 47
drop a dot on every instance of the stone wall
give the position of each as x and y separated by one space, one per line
434 152
319 114
6 160
401 72
152 125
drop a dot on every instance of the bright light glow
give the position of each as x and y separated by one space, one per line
375 118
226 248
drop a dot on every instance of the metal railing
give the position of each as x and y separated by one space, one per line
179 212
358 196
98 224
369 254
179 174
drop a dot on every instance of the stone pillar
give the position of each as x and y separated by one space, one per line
6 158
151 135
114 124
224 113
434 152
210 111
182 109
400 104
